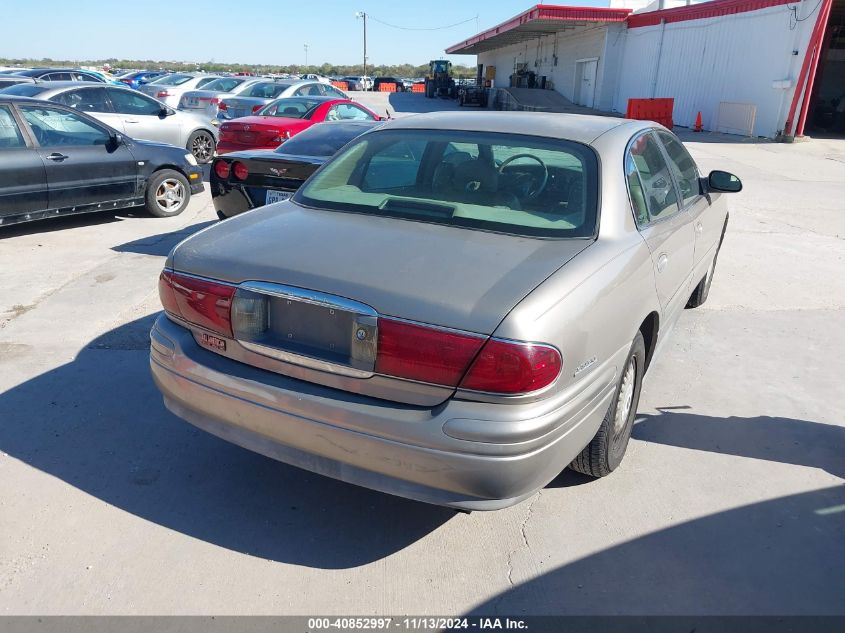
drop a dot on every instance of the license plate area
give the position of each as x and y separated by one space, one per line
277 196
310 329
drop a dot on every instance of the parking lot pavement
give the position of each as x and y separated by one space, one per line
399 104
731 499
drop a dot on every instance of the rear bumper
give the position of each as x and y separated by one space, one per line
341 435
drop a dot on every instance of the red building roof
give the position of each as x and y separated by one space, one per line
542 19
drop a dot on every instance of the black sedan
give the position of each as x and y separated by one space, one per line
56 161
241 181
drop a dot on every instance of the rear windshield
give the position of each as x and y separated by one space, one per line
224 84
491 181
172 80
293 108
321 140
25 90
268 90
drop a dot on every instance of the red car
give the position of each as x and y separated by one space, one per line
283 118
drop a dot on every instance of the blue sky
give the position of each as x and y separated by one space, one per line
269 32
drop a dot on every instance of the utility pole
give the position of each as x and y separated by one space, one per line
363 15
306 56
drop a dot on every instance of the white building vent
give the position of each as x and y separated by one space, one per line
736 118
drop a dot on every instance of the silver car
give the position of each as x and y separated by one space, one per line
128 111
446 311
260 94
206 101
170 88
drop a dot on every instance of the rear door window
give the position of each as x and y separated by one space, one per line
10 133
85 99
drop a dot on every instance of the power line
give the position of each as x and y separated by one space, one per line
415 28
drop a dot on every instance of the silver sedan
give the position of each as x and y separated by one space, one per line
446 311
260 94
170 88
205 101
128 111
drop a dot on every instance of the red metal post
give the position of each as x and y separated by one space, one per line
811 78
812 49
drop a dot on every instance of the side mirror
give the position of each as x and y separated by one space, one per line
723 181
166 112
116 140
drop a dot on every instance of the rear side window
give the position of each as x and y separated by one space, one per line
85 99
10 134
204 81
655 179
225 84
25 90
172 80
311 90
683 166
509 183
266 90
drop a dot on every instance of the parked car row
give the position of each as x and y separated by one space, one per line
129 112
57 160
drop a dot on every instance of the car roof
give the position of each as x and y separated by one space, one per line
575 127
42 71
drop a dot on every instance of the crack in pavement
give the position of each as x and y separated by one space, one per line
525 543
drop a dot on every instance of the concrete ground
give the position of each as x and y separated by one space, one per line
730 500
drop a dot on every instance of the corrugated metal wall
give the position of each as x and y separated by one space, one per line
728 58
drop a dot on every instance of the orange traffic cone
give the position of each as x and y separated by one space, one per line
698 127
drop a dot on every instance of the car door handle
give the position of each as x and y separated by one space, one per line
130 120
699 228
662 262
55 156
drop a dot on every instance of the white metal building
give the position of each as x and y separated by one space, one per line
738 62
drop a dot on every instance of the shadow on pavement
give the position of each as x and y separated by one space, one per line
98 424
162 243
784 440
778 557
61 223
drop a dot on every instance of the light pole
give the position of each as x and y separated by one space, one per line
306 56
363 15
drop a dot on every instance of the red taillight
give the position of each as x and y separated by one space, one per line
221 168
426 354
222 106
163 93
198 301
509 367
126 81
257 108
240 170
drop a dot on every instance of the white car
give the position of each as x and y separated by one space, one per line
170 88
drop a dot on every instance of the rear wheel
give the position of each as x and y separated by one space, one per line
605 451
202 145
168 193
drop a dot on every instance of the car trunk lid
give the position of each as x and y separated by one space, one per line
313 262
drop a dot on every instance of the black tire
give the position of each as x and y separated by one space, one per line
201 144
605 451
702 290
168 193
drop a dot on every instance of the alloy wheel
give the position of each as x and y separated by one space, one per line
170 195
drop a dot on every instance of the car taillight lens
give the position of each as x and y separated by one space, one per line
199 301
222 106
163 93
426 354
510 367
126 81
280 137
257 108
240 170
221 168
